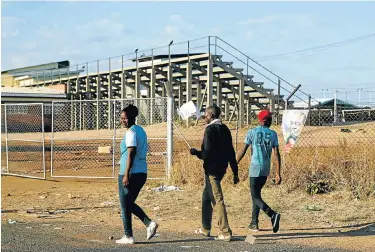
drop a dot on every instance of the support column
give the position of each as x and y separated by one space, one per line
248 112
169 83
188 82
137 84
163 91
226 109
272 107
68 86
88 89
180 95
210 81
241 103
152 93
219 94
98 96
110 94
123 80
199 94
123 86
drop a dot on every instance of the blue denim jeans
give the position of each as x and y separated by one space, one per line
128 196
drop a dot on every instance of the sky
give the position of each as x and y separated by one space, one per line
42 32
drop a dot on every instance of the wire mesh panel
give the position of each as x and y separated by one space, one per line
331 144
81 130
25 152
153 118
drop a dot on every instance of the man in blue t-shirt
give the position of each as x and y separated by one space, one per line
263 142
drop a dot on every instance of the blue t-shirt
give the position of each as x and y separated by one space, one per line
135 136
262 140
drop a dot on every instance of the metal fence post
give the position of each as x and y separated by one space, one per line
43 148
169 135
80 113
114 140
6 136
52 135
309 108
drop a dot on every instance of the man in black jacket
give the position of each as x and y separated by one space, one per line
217 151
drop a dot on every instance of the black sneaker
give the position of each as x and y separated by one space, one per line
275 220
254 227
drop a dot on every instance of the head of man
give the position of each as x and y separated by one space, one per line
128 115
212 113
265 118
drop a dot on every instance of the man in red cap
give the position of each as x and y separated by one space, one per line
263 142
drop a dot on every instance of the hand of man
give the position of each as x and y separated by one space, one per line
193 151
278 180
125 181
236 179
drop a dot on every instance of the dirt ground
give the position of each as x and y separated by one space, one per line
333 220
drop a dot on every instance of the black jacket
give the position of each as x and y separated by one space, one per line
217 150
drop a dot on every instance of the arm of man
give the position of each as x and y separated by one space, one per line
242 153
276 154
232 157
131 144
248 142
206 146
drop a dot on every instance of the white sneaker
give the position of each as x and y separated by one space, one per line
222 237
125 240
151 229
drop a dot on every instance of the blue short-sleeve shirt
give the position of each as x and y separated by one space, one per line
135 136
262 140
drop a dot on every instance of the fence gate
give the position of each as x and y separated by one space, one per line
79 128
22 140
152 116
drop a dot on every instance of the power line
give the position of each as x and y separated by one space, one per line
316 48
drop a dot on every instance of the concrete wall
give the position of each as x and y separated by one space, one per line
7 80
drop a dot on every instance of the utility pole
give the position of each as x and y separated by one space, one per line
335 108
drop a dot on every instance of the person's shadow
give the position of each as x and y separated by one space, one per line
364 229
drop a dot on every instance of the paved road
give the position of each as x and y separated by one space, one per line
35 237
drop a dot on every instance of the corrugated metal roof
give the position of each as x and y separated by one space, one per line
60 64
28 90
34 95
31 92
323 102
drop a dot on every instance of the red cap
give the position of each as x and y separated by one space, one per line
264 115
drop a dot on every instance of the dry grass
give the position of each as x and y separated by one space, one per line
349 165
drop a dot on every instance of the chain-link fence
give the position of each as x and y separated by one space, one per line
82 128
22 140
338 144
79 128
